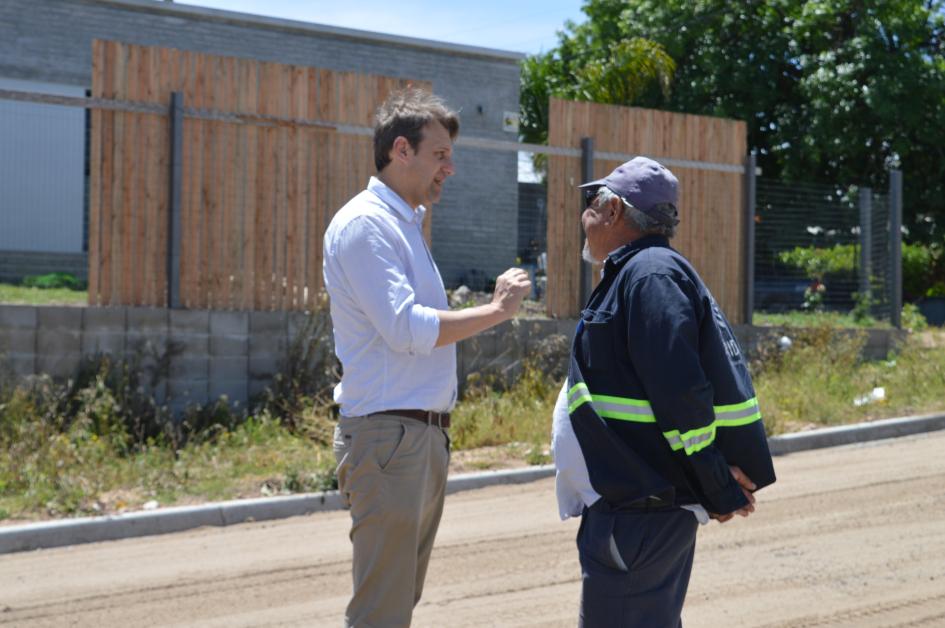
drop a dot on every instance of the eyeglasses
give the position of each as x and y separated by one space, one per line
590 194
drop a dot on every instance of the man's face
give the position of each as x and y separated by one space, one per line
594 221
431 165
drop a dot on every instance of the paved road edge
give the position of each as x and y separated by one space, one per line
178 519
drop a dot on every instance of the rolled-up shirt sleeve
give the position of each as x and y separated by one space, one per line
375 269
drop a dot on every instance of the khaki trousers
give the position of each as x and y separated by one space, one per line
392 474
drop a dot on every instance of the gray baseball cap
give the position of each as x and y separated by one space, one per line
647 185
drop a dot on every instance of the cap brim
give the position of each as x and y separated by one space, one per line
598 183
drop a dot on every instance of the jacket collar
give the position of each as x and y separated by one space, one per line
395 204
621 256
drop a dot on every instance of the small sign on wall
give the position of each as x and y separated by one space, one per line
510 121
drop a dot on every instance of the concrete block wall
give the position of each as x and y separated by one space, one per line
203 355
475 224
198 355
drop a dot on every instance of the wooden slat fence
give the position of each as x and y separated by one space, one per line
256 197
711 231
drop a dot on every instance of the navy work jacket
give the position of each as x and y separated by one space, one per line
659 393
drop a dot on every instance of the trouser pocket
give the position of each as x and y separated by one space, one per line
597 543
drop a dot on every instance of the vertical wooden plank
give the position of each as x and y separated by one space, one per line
203 97
150 71
164 66
249 95
313 140
277 106
295 240
119 174
108 175
321 152
208 244
206 216
229 165
156 166
191 184
212 242
332 187
137 234
264 195
95 174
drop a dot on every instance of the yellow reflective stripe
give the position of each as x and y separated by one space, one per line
737 406
624 408
640 411
751 418
639 403
611 407
577 403
737 413
577 400
693 440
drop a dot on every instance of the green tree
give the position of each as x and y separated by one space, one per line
620 74
832 90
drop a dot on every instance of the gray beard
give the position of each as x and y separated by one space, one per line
586 254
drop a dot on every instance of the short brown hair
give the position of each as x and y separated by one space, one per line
405 113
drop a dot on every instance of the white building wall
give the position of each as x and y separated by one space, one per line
42 154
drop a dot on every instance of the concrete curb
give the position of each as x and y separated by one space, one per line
857 433
166 520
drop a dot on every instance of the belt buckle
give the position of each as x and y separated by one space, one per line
439 418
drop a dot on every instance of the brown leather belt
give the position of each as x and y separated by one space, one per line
441 419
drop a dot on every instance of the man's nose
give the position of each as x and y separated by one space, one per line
449 167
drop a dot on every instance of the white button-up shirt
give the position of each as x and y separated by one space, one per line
384 290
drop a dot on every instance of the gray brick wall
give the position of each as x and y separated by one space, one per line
474 226
208 353
237 354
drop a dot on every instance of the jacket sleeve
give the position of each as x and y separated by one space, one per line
663 319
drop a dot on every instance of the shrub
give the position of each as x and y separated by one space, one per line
817 262
53 280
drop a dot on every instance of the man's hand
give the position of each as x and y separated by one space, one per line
747 486
511 288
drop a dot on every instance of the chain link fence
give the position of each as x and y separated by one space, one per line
820 246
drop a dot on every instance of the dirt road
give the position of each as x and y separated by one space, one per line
852 536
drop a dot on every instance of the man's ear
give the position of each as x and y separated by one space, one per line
401 149
614 212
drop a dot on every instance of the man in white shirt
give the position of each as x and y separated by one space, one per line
395 337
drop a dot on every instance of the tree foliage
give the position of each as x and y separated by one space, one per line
832 90
620 75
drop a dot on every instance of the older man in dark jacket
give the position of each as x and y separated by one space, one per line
658 427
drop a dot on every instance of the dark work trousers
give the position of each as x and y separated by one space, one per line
635 566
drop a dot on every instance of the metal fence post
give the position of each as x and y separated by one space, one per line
587 174
174 219
866 241
751 165
895 247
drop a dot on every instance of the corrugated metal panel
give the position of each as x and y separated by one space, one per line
42 155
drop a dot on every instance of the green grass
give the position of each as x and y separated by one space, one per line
22 295
49 474
912 319
816 382
799 318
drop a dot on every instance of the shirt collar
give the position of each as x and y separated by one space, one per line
619 257
394 202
